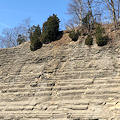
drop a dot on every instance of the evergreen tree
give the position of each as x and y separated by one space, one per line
101 40
89 40
35 33
50 29
21 39
88 21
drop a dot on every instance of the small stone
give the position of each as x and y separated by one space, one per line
34 84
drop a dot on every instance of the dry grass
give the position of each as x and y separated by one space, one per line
65 40
113 34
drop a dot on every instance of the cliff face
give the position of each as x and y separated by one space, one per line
60 82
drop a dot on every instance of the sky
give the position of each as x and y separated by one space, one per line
13 12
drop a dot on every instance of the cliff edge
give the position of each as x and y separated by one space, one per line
63 80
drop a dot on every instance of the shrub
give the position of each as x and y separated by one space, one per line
99 29
50 29
21 39
37 44
89 40
74 35
88 21
35 34
100 39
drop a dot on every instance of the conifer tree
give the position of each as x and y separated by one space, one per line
35 33
50 29
21 39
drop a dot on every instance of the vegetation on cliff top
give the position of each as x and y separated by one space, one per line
87 20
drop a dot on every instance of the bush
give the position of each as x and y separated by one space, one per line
35 45
100 39
89 40
50 29
35 34
88 21
74 35
21 39
99 29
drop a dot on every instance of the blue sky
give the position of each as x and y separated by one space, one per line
13 12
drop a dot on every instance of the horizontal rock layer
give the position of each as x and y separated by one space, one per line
67 82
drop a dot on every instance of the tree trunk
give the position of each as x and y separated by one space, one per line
118 9
114 14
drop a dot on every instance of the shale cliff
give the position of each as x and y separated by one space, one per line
61 81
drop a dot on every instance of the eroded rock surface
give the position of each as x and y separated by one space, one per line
68 82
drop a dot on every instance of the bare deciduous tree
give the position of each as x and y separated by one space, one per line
111 7
76 10
108 10
79 9
10 35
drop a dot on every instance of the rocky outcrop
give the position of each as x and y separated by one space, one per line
60 82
